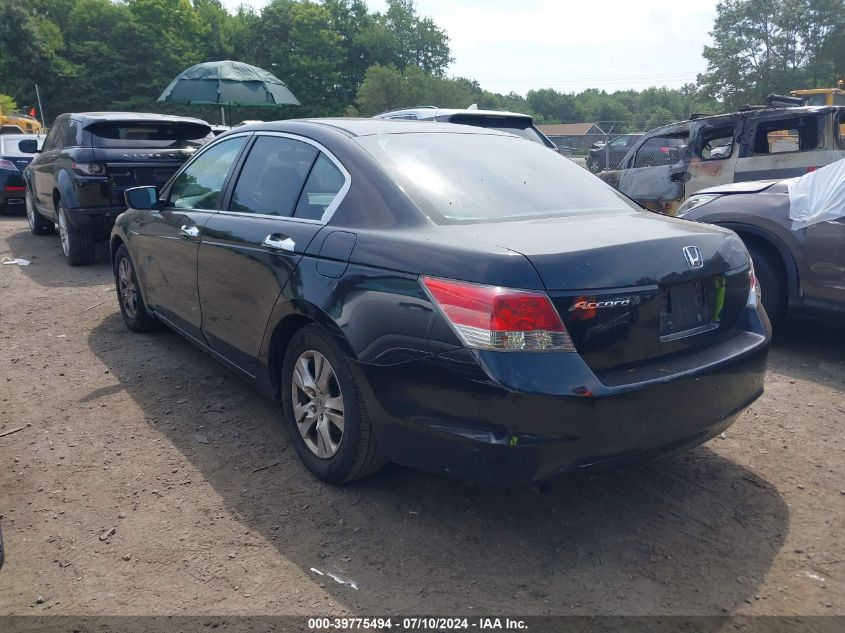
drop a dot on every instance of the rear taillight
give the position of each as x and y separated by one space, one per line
90 169
753 286
496 318
7 164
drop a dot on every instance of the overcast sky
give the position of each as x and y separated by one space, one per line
570 45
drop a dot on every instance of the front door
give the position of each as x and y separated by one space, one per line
170 235
656 173
823 273
249 251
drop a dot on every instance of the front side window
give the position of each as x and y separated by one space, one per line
200 183
666 149
717 143
467 178
273 176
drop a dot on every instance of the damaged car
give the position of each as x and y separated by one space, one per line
795 232
671 163
448 297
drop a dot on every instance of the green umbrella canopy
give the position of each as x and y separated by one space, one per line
228 83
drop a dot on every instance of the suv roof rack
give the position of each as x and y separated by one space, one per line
773 101
698 115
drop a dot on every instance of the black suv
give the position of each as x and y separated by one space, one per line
77 180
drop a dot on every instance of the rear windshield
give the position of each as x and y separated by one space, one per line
466 178
520 127
149 134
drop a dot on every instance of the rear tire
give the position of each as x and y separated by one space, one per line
77 246
38 224
772 285
349 452
132 307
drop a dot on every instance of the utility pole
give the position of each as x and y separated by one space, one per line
40 109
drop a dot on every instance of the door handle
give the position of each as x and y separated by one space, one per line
280 242
680 176
189 231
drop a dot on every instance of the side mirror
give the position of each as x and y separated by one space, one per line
141 198
28 146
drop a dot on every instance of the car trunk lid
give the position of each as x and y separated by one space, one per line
633 296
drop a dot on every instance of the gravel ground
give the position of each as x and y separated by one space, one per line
148 479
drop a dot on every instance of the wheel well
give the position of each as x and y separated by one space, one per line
786 271
282 335
116 243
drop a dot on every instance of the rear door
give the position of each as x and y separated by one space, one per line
786 144
168 237
656 173
287 188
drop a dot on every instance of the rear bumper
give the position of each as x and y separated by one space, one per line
95 220
12 201
445 414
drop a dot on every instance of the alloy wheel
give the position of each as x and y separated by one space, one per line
317 404
63 232
128 288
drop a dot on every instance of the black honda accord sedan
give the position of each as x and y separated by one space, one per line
451 298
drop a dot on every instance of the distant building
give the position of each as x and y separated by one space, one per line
573 135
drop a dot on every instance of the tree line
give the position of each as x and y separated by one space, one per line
340 58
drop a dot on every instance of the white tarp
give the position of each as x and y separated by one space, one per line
818 196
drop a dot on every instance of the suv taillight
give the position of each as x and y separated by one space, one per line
90 169
502 319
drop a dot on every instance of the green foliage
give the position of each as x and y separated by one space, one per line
388 88
7 104
338 57
120 54
773 46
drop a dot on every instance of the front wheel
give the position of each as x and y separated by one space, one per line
772 287
38 224
324 411
77 246
132 306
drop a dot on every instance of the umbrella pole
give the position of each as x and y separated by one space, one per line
222 116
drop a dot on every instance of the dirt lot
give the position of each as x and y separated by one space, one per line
134 488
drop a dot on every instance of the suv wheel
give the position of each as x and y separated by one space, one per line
38 224
132 306
594 166
772 287
77 246
324 412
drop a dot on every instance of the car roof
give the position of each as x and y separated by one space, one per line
430 112
103 117
370 127
750 113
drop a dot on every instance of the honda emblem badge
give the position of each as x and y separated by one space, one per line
693 256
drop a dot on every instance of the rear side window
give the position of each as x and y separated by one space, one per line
798 134
661 150
273 176
324 183
149 134
200 183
